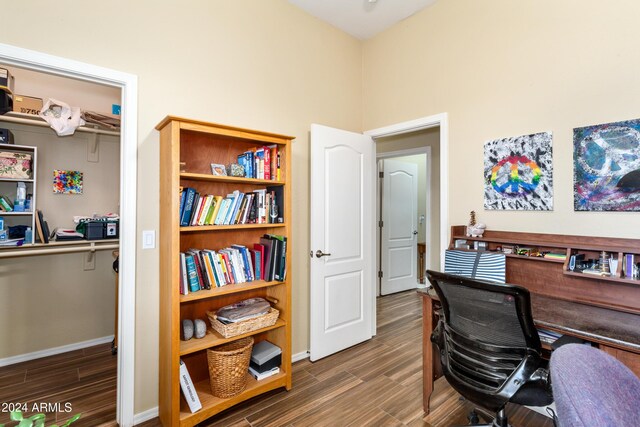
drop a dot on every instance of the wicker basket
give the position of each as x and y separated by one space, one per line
246 326
228 366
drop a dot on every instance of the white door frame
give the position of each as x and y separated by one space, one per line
128 83
438 120
401 153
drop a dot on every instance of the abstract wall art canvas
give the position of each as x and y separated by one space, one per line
67 182
606 167
518 173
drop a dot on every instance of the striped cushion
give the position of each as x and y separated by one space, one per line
477 265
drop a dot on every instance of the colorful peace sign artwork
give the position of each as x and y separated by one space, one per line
518 173
515 185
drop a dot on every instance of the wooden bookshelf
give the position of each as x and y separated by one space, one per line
198 144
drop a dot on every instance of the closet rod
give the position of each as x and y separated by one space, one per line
64 250
42 123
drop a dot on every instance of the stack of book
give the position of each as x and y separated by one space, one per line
262 206
261 163
205 268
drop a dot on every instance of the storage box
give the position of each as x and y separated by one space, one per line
15 165
98 230
265 356
27 104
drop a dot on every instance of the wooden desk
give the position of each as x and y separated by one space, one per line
615 332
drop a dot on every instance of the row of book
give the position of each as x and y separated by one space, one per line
206 269
261 206
261 163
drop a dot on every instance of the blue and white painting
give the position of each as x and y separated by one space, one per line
606 174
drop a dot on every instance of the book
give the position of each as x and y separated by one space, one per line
257 262
249 158
262 375
192 274
275 166
222 212
188 390
197 203
196 261
259 163
266 152
183 195
188 206
184 288
628 265
44 237
206 205
213 210
269 258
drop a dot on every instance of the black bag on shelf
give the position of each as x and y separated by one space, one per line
6 102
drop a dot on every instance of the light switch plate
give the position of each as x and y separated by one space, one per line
148 239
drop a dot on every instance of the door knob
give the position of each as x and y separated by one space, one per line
415 232
320 254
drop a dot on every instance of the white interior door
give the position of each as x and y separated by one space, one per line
399 226
342 239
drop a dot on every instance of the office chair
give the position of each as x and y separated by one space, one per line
591 388
489 347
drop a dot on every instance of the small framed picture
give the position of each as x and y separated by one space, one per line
218 169
507 249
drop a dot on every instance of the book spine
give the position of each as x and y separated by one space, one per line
267 162
197 203
188 206
184 289
188 390
192 274
183 196
274 162
628 265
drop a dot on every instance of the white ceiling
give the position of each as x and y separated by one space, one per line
362 19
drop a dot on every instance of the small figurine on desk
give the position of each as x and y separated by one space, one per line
475 229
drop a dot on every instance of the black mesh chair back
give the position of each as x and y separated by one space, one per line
489 346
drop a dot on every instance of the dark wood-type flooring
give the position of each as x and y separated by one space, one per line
376 383
86 379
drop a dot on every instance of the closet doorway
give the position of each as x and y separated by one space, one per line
125 85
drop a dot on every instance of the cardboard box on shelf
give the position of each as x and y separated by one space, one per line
27 104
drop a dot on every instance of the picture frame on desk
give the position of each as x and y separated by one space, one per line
507 249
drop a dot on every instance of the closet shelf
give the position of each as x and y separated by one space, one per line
29 119
58 248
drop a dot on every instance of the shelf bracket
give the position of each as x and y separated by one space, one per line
92 148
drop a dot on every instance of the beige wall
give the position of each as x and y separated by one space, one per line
498 67
503 68
251 63
51 301
425 138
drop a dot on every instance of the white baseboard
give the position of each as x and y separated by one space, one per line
147 415
53 351
299 356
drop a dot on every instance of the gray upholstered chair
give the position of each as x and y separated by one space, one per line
591 388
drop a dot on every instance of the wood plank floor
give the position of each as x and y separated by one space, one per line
85 379
377 383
